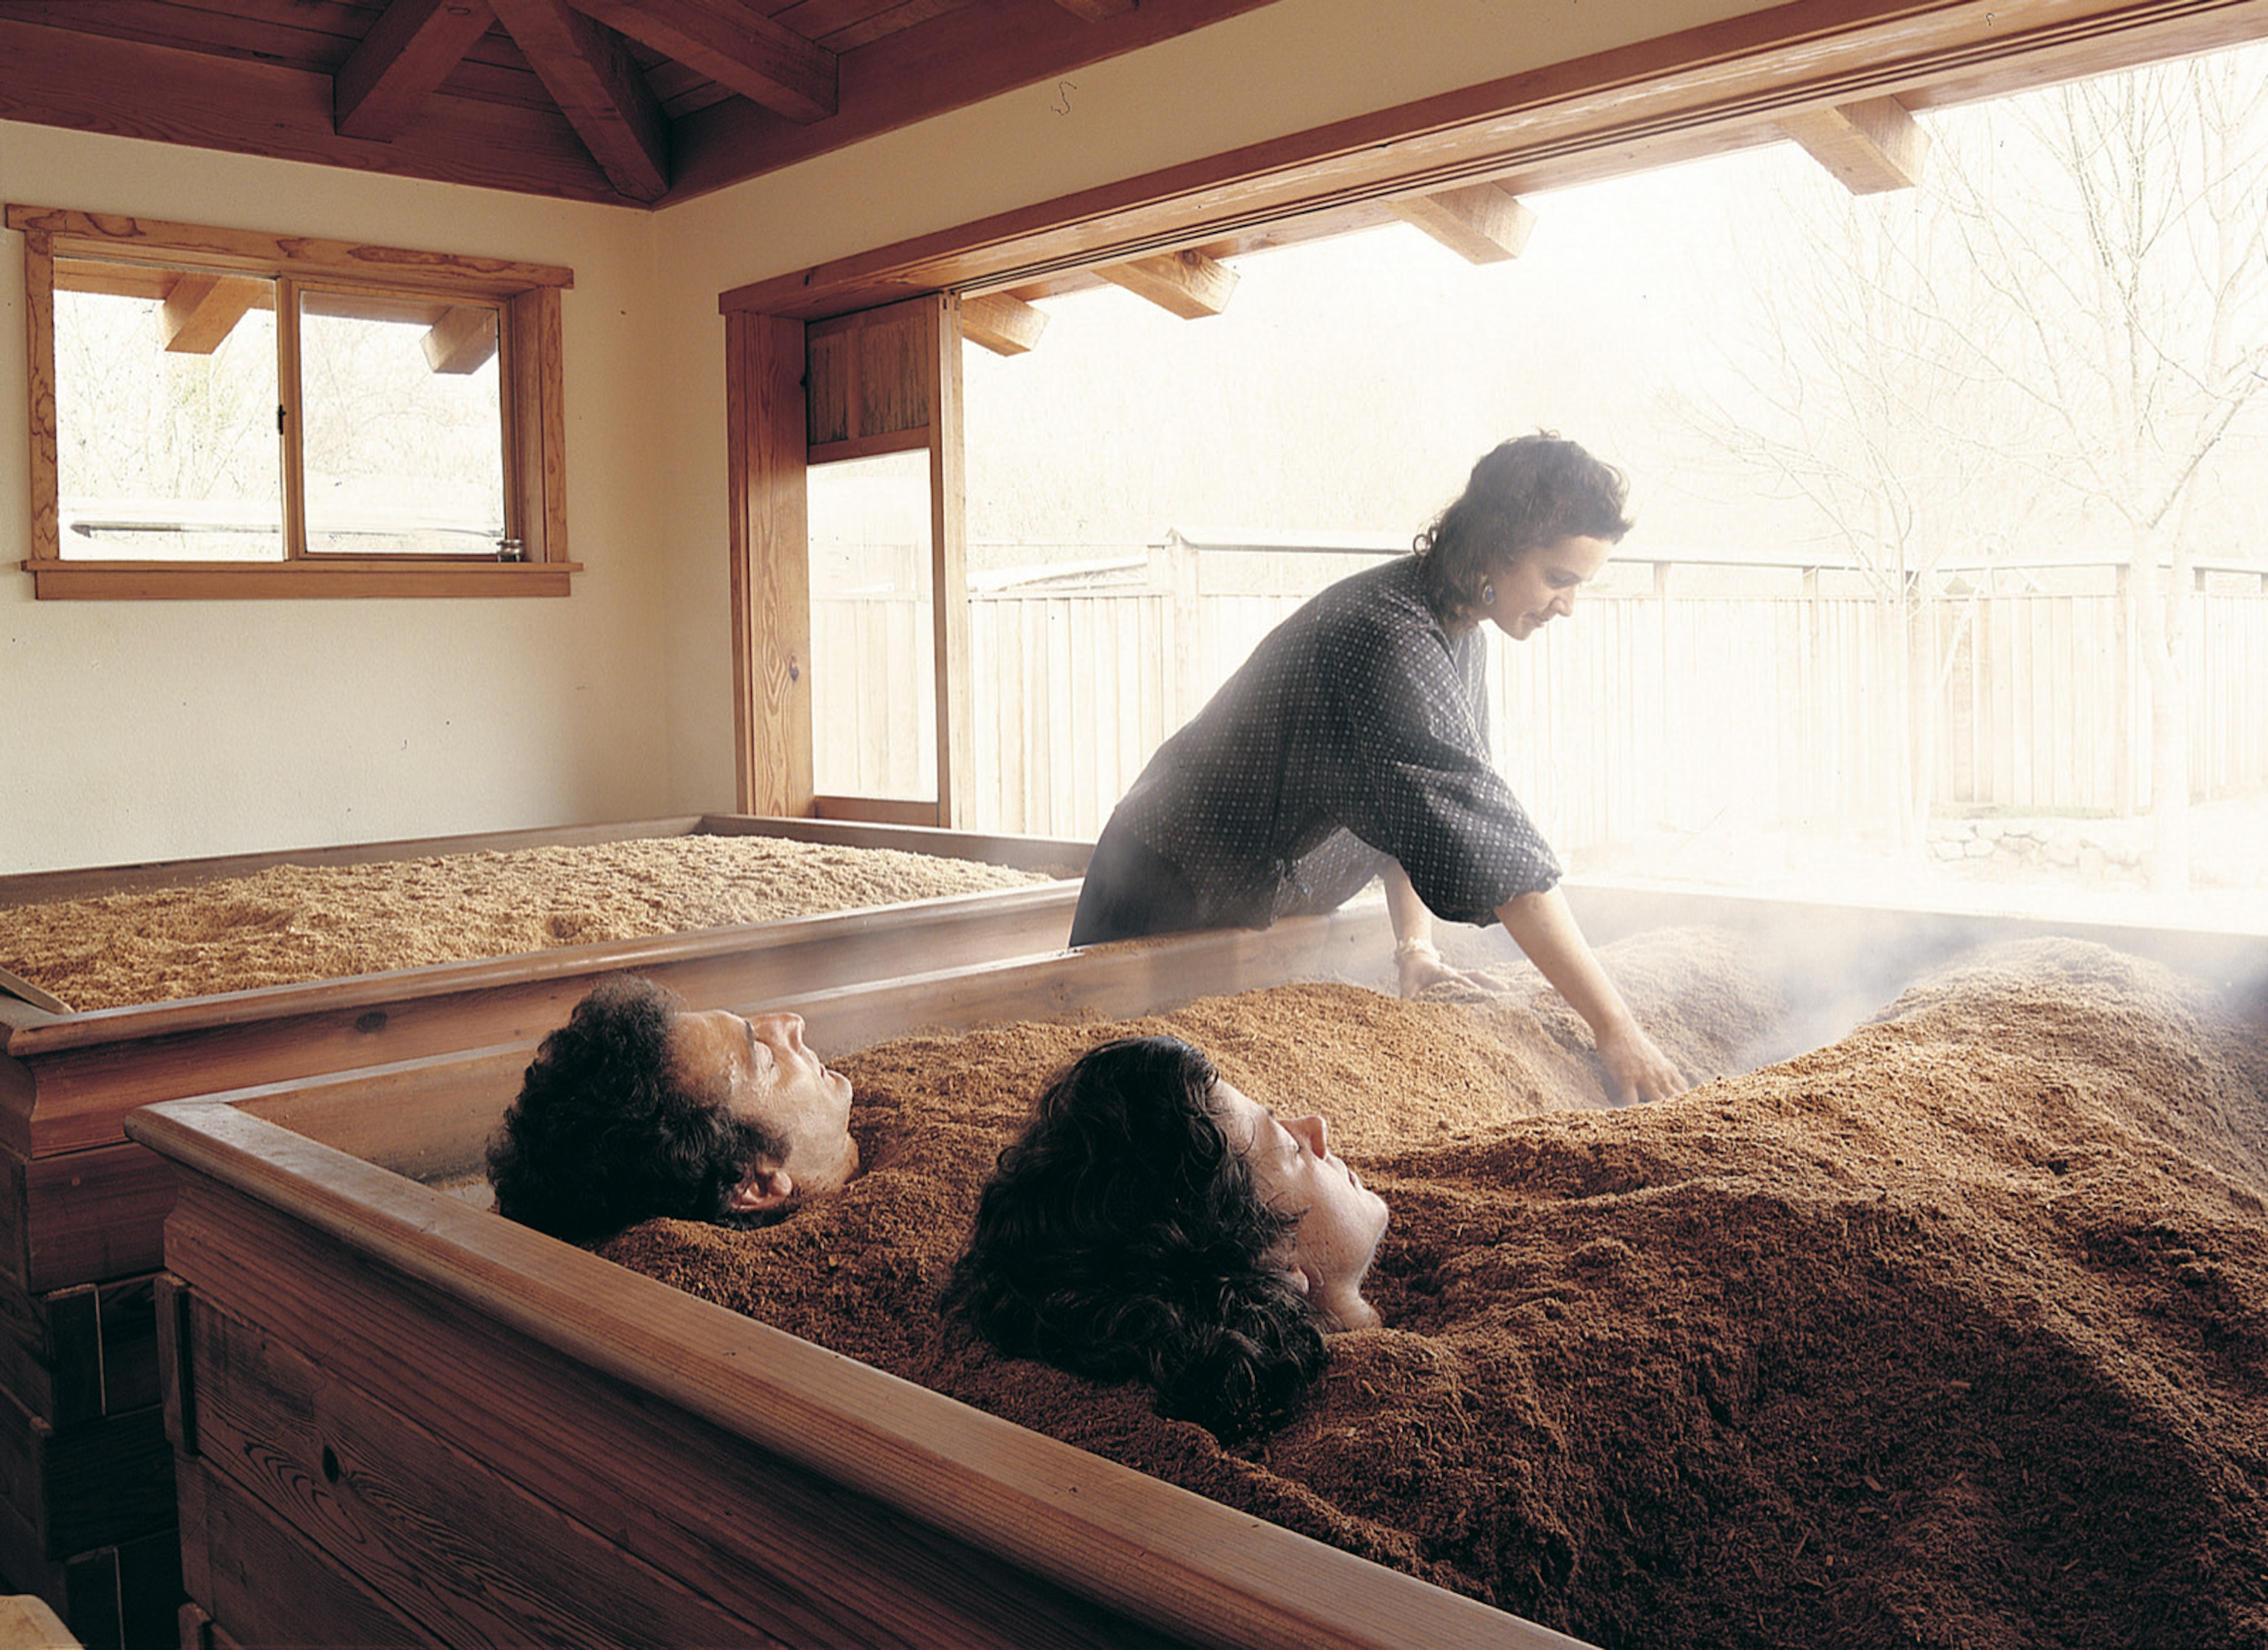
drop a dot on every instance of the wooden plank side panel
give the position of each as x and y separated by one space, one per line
92 1216
464 1553
785 1554
262 1584
95 1484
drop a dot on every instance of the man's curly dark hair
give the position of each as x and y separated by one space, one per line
1522 494
1121 1238
606 1133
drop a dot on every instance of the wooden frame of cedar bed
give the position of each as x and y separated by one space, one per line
86 1513
400 1418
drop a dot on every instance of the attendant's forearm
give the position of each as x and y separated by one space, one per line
1413 924
1542 926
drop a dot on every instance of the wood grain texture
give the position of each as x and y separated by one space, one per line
409 50
113 235
1678 97
734 45
1871 147
770 526
1482 223
1185 284
590 74
955 56
130 89
463 339
537 415
92 1484
953 664
200 310
1002 324
40 386
812 1444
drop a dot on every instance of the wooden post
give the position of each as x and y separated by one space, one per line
770 564
956 723
2122 734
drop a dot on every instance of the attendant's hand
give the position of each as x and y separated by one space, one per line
1421 965
1637 1070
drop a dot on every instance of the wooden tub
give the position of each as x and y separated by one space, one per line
401 1419
86 1504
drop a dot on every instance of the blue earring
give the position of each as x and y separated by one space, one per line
1488 596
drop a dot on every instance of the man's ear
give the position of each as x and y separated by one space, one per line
764 1189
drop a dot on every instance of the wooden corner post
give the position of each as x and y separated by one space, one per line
770 564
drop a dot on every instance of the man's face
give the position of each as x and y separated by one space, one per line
1541 585
769 1078
1295 1170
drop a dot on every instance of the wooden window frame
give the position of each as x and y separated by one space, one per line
1707 90
531 375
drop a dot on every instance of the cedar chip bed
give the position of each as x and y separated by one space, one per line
292 923
1952 1333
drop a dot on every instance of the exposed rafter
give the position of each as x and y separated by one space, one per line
462 340
1481 223
1188 283
201 310
1002 324
735 46
1872 146
408 53
591 77
1097 10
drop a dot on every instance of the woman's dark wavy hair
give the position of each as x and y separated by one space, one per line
1524 494
605 1133
1121 1238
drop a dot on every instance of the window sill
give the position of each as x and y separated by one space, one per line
331 577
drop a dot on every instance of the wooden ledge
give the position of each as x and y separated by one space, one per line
331 576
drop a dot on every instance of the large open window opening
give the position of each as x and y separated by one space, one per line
1943 421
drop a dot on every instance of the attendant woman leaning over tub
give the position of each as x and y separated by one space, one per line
1154 1224
1354 743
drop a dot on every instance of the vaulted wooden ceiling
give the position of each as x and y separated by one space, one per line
629 101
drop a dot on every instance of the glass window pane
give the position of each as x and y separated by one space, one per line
166 453
404 426
873 648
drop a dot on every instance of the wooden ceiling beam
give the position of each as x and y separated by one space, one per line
1872 146
1482 223
1097 10
404 58
201 310
597 85
1188 283
1002 324
733 45
462 341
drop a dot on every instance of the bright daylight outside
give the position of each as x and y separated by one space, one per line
1950 575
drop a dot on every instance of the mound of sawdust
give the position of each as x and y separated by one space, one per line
292 923
1955 1332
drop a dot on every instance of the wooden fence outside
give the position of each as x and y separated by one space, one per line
1649 709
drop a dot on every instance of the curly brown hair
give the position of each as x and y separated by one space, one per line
606 1131
1121 1238
1524 494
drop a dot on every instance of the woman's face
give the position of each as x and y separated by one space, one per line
1341 1220
1541 585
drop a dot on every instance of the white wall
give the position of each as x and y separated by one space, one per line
157 730
139 730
